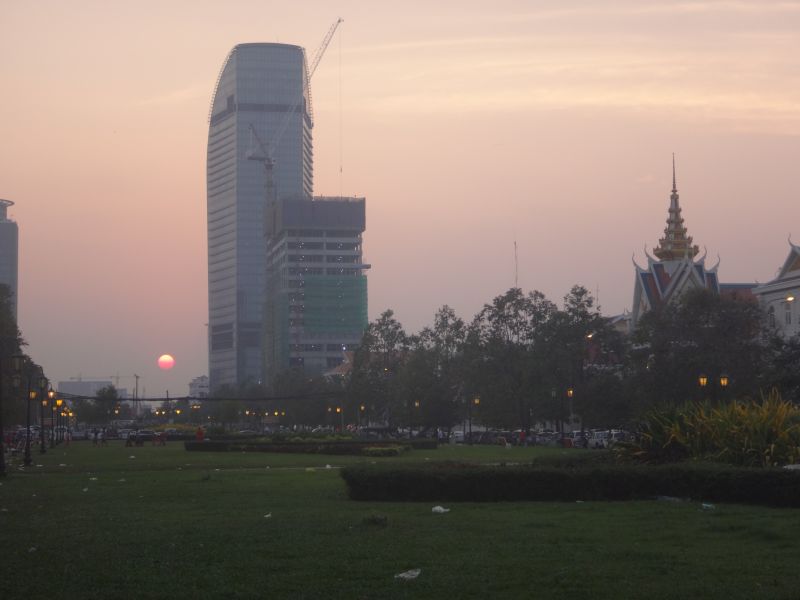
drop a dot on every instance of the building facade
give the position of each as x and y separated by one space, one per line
262 90
317 287
198 387
780 297
9 253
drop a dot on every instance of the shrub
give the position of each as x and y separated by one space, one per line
752 433
304 447
375 451
440 482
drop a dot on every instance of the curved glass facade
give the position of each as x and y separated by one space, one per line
263 86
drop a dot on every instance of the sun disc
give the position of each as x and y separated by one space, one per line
166 362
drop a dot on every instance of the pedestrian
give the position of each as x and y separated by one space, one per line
200 434
103 437
94 436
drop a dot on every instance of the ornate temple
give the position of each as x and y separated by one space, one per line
675 269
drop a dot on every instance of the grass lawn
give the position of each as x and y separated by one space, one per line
150 522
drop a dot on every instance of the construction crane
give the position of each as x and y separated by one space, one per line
264 153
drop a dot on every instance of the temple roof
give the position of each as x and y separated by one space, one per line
675 245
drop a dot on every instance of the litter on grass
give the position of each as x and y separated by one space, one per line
708 506
268 516
440 510
85 489
410 574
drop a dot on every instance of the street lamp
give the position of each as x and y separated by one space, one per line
476 401
703 380
341 418
50 396
42 406
570 394
31 397
59 420
723 381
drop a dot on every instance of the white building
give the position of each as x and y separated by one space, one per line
780 297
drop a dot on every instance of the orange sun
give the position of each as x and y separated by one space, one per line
166 362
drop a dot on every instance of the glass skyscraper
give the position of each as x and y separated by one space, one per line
263 87
9 252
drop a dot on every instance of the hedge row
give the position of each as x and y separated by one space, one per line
321 447
439 482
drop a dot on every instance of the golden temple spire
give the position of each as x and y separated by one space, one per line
675 245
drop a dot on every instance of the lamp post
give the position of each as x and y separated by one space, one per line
42 406
32 394
341 418
570 394
476 401
50 397
723 382
59 419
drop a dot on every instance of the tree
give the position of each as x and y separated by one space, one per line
702 333
583 353
507 340
11 343
312 396
376 364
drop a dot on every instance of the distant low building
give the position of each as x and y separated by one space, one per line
198 387
779 297
88 387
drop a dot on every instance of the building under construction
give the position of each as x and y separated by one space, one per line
316 307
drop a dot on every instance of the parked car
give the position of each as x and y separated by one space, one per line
145 435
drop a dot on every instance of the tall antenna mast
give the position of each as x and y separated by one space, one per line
516 266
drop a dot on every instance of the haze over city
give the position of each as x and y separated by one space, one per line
466 126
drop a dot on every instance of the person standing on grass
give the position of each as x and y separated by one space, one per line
199 435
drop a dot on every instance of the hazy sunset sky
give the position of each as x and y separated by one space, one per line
465 124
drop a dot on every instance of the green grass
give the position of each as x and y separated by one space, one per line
173 524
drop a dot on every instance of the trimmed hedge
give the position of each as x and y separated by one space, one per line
450 482
308 447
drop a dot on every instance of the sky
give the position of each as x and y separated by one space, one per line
467 125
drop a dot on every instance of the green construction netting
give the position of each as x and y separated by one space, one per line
335 304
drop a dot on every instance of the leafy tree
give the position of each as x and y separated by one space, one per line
312 396
376 365
782 368
506 366
100 410
11 343
583 353
701 333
